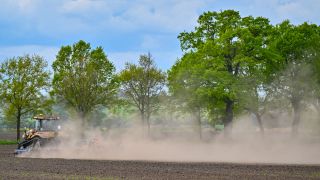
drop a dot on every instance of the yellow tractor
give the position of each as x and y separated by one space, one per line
45 130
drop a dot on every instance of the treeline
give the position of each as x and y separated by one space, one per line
231 65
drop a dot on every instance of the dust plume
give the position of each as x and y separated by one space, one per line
246 145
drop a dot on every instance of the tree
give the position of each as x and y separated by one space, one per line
227 46
316 85
184 82
83 78
299 46
255 98
142 84
256 88
23 82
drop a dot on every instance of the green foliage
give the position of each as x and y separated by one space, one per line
83 77
221 53
184 82
233 63
23 81
299 47
142 84
7 142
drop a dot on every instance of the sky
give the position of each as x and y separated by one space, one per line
125 28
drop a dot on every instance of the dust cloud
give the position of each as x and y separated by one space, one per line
245 145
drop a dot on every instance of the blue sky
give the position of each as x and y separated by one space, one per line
125 28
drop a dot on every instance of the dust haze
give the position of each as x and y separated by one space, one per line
245 145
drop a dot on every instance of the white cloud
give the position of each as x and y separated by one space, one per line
301 10
151 42
27 5
119 59
163 60
58 18
155 24
297 11
172 16
94 6
94 15
47 52
79 5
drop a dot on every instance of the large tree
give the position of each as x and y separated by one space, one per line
142 85
316 85
227 47
23 82
83 78
299 47
184 82
256 90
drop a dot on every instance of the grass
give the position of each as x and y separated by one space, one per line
316 174
7 142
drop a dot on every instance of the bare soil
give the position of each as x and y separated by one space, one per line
8 135
32 168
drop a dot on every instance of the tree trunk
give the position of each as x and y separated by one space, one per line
260 123
148 123
143 119
228 117
82 119
317 106
83 124
296 118
18 124
199 123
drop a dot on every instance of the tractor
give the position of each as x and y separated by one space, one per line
46 129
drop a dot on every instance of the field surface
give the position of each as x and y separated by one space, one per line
32 168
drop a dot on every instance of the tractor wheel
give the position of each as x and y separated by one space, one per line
36 145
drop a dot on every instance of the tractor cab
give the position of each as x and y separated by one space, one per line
47 123
46 129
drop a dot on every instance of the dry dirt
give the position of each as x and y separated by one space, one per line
32 168
5 135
